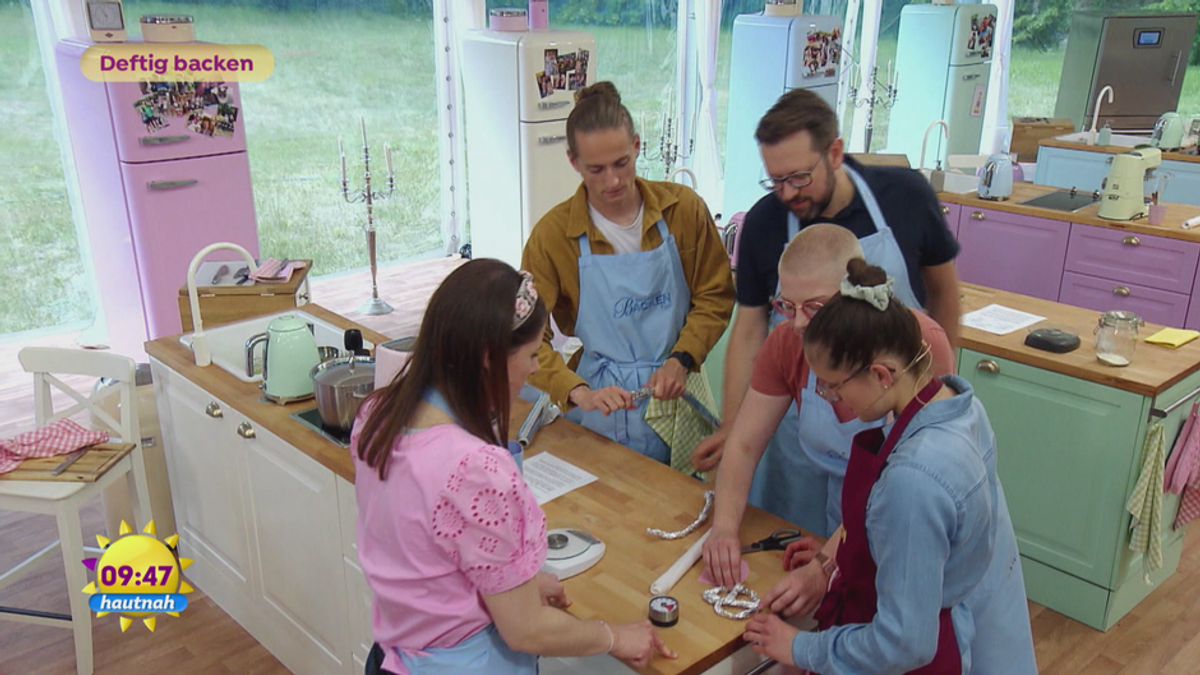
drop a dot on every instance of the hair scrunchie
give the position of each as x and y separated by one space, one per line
877 296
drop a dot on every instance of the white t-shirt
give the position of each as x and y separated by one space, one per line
624 238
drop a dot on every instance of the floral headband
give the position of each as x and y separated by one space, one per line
527 296
877 296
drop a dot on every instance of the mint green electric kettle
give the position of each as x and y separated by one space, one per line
289 354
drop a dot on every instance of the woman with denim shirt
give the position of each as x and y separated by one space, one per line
926 578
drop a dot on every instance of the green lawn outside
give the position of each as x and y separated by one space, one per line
330 67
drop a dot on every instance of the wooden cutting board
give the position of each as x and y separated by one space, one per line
87 469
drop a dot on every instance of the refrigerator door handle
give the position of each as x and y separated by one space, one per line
550 140
162 140
552 105
1175 59
170 184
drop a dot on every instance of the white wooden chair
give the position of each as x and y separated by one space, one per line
63 500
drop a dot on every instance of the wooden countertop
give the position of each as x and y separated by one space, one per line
1176 213
1154 368
632 493
1114 150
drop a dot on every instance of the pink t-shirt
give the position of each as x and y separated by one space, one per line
454 520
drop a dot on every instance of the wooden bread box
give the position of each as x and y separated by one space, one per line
224 304
1028 131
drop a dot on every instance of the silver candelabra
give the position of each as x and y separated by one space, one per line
669 150
879 94
375 304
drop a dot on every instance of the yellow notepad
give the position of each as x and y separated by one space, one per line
1173 337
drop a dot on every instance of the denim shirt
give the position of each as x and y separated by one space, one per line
941 536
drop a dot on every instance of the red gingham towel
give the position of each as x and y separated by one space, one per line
57 438
1184 462
1189 506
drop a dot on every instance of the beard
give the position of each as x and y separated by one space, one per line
808 208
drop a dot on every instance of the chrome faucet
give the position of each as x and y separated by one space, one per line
1096 112
199 341
925 139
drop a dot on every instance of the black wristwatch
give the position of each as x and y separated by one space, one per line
688 361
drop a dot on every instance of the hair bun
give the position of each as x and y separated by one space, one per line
861 273
598 90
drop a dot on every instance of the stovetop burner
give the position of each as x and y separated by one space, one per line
311 418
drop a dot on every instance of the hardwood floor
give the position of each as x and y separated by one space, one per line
1160 636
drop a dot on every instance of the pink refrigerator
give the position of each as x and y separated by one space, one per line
163 172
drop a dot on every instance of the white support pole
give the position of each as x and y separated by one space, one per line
868 46
849 29
451 18
996 127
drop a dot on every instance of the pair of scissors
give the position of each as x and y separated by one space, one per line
777 541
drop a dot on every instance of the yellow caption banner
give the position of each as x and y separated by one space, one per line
190 62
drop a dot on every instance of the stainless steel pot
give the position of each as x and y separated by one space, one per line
340 385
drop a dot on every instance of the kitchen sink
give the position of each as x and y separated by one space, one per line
227 343
1121 140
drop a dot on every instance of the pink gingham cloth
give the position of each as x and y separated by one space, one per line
1184 462
272 270
1189 506
57 438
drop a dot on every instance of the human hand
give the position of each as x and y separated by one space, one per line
709 450
723 557
636 643
800 552
799 592
606 400
669 381
772 637
551 591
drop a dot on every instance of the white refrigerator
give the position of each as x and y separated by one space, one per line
772 55
519 89
943 62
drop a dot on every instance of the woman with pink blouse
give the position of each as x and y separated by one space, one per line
449 536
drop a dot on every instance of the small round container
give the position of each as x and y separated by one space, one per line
664 611
168 28
1117 337
782 8
508 19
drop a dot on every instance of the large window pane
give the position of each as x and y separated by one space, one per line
334 61
41 270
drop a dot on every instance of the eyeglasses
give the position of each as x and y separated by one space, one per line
788 308
796 181
829 392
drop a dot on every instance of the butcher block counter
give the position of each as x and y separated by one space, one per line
253 488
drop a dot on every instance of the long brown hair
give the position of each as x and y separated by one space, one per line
597 107
462 351
853 332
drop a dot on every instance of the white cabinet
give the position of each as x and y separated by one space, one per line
358 592
207 489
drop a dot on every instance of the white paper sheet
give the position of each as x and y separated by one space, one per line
550 477
999 319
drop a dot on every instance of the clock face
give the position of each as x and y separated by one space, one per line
106 15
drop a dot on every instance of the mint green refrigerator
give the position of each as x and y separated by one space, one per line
943 60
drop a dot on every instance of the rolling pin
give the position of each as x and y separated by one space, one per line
676 571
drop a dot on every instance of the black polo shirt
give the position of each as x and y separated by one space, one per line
909 205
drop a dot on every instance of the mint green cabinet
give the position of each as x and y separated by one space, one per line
1069 453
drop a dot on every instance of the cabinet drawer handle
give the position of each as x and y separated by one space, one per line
245 430
1131 241
988 366
170 184
977 215
1122 291
945 210
162 140
214 410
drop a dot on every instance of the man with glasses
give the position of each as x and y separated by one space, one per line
810 271
893 212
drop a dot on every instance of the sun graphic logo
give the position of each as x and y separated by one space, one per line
138 576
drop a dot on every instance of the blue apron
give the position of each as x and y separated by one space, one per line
805 488
631 309
483 653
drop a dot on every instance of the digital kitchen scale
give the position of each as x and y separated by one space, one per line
572 551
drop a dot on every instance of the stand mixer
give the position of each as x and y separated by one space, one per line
1123 192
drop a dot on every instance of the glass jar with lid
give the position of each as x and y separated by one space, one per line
1116 337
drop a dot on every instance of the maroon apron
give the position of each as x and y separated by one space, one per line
851 598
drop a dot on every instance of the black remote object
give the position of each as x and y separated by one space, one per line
1052 340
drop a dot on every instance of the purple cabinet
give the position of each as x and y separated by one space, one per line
1152 304
952 213
1014 253
1127 258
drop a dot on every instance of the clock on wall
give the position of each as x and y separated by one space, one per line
106 20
